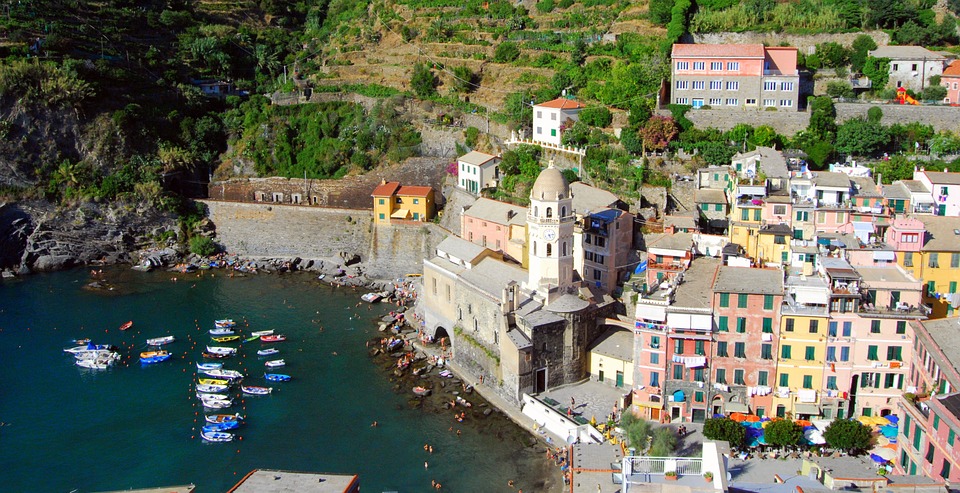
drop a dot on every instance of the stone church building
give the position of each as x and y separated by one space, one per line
523 330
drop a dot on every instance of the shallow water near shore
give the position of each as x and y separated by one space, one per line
132 426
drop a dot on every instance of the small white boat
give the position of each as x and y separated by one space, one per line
216 403
221 350
93 364
96 354
220 418
222 332
268 351
277 363
253 390
209 366
159 341
216 436
221 373
88 347
211 396
262 333
206 388
224 323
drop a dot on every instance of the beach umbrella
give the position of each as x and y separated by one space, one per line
893 419
888 431
803 423
753 418
866 420
884 453
876 458
738 417
814 436
880 421
882 441
571 439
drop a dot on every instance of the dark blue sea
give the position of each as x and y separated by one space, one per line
70 429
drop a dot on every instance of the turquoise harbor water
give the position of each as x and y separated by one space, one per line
66 428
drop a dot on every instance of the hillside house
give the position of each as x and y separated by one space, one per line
552 117
476 171
392 202
735 76
910 66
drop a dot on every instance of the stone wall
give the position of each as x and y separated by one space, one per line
791 122
805 43
286 231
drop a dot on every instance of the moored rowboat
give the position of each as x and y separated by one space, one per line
209 366
225 338
126 325
275 363
268 352
226 374
159 341
149 357
253 390
273 338
262 333
276 377
221 418
216 436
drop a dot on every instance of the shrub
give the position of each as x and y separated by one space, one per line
470 135
838 89
506 52
423 82
203 246
874 114
934 93
545 6
725 429
596 116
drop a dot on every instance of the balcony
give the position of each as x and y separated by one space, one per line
900 310
676 265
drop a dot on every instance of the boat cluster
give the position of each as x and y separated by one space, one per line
215 391
94 356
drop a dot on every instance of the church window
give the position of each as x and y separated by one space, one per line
549 249
564 252
534 248
563 211
549 211
535 211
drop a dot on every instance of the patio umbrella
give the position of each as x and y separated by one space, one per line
882 441
880 421
885 453
814 436
876 458
889 431
753 418
893 419
738 417
866 420
803 423
571 439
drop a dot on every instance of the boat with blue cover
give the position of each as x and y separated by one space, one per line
216 436
220 418
225 426
150 357
209 366
276 377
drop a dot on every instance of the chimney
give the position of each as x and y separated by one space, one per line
879 175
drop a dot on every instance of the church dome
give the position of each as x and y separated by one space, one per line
550 185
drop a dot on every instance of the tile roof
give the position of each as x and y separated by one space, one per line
749 280
491 276
717 51
476 158
940 234
896 190
497 212
460 248
676 241
562 103
386 189
914 186
952 70
941 178
944 334
831 179
865 186
696 291
615 344
415 191
589 199
708 196
905 53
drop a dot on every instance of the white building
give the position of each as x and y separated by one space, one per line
550 119
910 66
476 171
945 189
550 222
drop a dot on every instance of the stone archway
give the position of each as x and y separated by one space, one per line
441 333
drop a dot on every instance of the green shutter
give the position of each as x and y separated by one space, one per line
742 300
768 302
872 353
785 351
768 325
724 300
722 324
784 379
808 381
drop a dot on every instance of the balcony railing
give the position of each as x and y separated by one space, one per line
683 466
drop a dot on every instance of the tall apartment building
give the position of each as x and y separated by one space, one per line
735 76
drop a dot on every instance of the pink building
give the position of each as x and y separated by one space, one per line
930 408
498 226
735 76
668 256
951 80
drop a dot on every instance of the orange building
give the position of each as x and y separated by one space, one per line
392 202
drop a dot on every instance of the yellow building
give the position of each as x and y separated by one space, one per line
745 221
392 202
798 385
611 359
937 264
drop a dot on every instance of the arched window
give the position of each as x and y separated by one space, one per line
549 211
563 251
535 211
549 249
563 211
534 248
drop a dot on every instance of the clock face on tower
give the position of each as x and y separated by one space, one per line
549 234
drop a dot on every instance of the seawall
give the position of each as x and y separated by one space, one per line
256 230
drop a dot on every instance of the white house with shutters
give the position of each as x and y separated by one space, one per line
476 171
551 118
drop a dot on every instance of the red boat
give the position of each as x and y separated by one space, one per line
126 325
273 338
215 355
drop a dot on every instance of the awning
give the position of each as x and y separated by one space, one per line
886 255
737 407
649 404
812 296
864 226
811 409
807 396
679 396
400 214
651 312
690 321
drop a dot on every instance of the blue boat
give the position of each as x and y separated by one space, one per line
276 377
150 357
226 425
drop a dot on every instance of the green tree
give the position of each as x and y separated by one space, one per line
861 137
874 114
878 71
898 167
944 143
833 54
638 430
630 140
766 136
660 11
839 89
423 82
202 246
818 152
506 52
664 442
848 435
783 433
725 429
679 19
579 52
596 116
822 118
509 163
862 45
715 153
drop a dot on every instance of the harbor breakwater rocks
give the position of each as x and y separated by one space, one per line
323 240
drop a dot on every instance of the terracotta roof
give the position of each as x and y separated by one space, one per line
386 189
717 51
414 191
952 70
562 103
